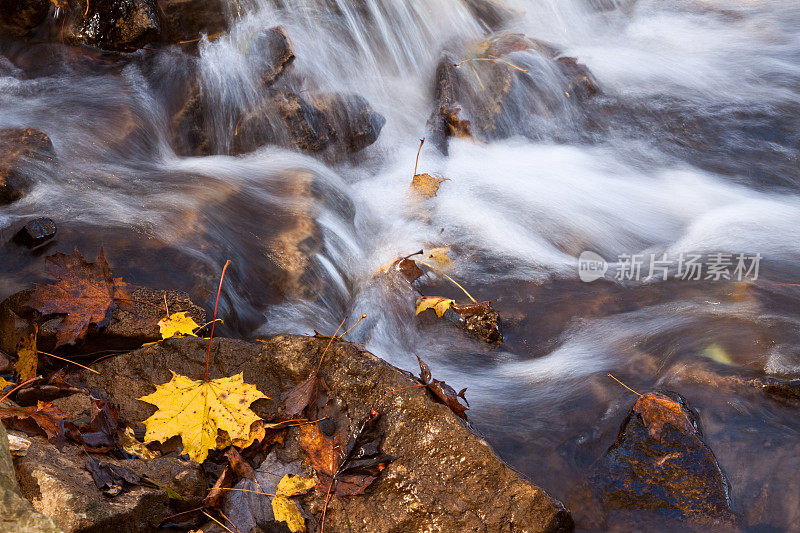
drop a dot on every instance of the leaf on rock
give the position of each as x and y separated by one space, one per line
321 449
437 303
286 510
404 265
100 434
84 292
196 410
177 325
426 185
657 409
60 4
27 356
444 392
132 446
302 395
113 479
44 417
4 384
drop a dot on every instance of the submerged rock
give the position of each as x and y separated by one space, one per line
444 477
18 149
660 468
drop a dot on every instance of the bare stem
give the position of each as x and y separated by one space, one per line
421 142
213 322
353 326
621 383
328 346
68 361
457 284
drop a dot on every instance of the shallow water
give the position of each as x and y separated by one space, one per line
692 147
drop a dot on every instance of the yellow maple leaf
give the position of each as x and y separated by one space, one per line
437 303
440 257
28 359
4 384
195 410
131 445
284 509
426 185
177 325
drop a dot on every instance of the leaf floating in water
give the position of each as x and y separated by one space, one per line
717 353
426 185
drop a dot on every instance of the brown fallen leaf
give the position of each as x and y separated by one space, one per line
426 185
85 293
215 497
444 392
302 395
480 319
322 450
657 409
27 356
44 417
239 464
456 126
133 446
114 479
101 433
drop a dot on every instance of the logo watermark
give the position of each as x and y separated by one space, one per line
716 266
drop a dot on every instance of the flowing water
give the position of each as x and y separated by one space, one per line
693 146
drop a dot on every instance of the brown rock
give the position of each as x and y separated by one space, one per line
119 25
275 52
356 123
187 20
444 476
19 148
58 485
660 469
132 324
21 16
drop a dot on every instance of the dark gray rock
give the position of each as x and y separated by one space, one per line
18 149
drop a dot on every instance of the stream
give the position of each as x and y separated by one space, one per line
692 147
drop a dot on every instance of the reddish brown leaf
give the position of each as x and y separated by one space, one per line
84 292
322 450
657 409
409 268
239 464
51 421
218 492
101 433
444 392
302 395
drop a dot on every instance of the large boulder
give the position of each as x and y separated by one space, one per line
660 470
186 20
20 148
16 513
503 86
444 476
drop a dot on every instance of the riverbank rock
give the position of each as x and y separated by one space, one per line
118 25
444 477
132 323
659 468
20 148
500 86
16 513
59 485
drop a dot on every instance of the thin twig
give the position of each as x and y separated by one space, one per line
325 508
490 58
223 526
354 325
213 322
421 142
69 361
621 383
165 303
229 520
245 490
328 346
457 284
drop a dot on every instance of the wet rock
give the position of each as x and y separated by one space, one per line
189 134
132 324
58 485
275 53
356 123
36 232
444 476
20 16
19 148
503 86
492 15
118 25
16 513
659 468
186 20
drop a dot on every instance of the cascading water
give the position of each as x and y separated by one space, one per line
692 146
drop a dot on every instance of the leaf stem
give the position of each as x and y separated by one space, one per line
12 391
213 322
353 326
621 383
457 284
328 346
421 142
69 361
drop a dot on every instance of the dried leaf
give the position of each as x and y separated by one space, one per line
51 421
100 434
28 358
302 395
437 303
240 466
217 494
480 318
177 325
4 384
658 409
112 479
290 485
404 265
321 449
426 185
60 4
132 446
197 410
85 293
424 371
440 257
444 392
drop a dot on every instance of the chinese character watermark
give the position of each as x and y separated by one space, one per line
716 266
